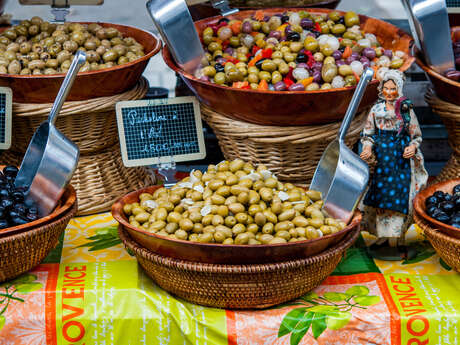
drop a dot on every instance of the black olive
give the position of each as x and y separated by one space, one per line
33 210
2 178
221 20
455 219
20 208
10 170
447 206
14 213
448 197
456 189
259 63
284 19
457 203
19 220
341 21
442 217
31 217
293 36
4 224
219 68
301 57
439 195
432 200
456 225
6 203
431 210
18 196
217 57
4 192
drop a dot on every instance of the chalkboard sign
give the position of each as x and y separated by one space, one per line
6 101
453 6
157 131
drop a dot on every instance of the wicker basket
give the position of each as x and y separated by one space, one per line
292 153
448 248
239 286
450 115
21 252
100 179
90 124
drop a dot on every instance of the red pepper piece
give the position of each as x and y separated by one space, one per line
288 82
317 27
289 75
255 49
267 53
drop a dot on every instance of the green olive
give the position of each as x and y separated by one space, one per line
63 56
21 30
36 64
350 80
110 55
328 72
92 56
351 19
220 78
14 67
33 30
111 33
338 29
10 34
334 15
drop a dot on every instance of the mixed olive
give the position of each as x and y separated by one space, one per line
445 207
233 203
454 73
293 51
39 47
14 208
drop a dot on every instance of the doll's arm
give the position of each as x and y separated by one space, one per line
414 130
368 131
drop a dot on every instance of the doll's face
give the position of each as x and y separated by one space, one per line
389 90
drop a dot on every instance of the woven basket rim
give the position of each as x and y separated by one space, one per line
33 232
449 110
231 269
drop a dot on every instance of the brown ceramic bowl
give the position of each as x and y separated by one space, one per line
290 108
102 83
68 199
224 254
419 206
447 89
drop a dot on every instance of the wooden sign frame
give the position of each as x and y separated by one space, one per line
167 158
8 116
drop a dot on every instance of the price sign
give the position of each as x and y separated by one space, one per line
158 131
6 102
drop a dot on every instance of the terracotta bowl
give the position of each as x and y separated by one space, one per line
290 108
447 89
420 209
224 254
103 83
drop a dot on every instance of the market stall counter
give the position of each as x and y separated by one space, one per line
91 290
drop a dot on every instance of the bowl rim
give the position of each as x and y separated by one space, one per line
71 197
419 204
146 57
168 59
118 215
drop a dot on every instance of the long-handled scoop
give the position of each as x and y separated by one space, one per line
429 23
51 158
175 24
341 175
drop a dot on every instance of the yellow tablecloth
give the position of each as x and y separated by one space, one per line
90 290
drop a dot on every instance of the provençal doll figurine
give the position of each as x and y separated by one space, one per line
393 135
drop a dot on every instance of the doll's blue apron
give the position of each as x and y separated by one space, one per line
390 183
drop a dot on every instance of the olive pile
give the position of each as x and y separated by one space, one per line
293 51
39 47
233 203
445 207
14 209
454 74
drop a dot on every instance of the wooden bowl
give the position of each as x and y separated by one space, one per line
224 254
102 83
447 89
68 199
289 108
420 209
